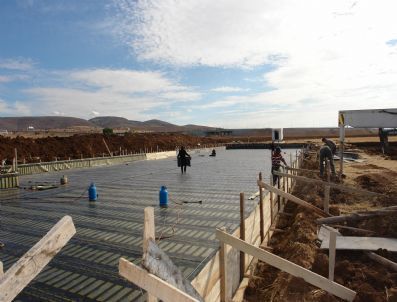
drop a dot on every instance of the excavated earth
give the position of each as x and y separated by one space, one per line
92 145
353 269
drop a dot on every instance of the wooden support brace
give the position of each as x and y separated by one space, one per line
287 266
148 233
327 190
242 235
293 199
30 265
261 220
223 272
331 255
151 283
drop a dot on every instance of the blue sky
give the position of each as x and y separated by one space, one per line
225 63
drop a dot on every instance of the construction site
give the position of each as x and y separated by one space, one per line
122 223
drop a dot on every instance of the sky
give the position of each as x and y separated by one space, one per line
223 63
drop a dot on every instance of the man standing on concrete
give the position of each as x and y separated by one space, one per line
326 154
330 144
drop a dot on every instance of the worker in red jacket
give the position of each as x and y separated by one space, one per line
277 158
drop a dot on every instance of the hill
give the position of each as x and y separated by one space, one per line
153 125
42 123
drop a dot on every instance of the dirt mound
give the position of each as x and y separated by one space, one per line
84 146
371 281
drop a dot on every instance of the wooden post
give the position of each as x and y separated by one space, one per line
223 270
327 190
331 255
16 160
262 233
242 235
1 269
271 202
148 233
278 196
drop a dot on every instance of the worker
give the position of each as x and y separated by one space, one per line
183 159
277 158
326 154
213 153
330 144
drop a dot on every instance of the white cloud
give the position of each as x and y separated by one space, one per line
325 54
16 64
4 79
13 108
228 89
125 81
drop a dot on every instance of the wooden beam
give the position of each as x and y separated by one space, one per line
331 255
223 272
333 185
30 265
157 262
382 260
148 234
293 199
302 170
327 190
242 235
151 283
362 243
1 269
287 266
356 216
261 220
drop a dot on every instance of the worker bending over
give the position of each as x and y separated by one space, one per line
330 144
326 154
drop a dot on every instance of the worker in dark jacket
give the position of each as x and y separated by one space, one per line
326 154
183 159
330 144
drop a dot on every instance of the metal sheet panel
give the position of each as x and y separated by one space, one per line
372 118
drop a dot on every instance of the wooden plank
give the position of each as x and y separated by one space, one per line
293 198
151 283
223 272
386 262
333 185
148 234
242 235
287 266
261 222
1 269
29 265
362 243
327 189
331 255
157 262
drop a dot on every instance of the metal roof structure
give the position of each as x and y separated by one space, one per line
86 268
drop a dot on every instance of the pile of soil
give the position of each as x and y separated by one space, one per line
353 269
92 145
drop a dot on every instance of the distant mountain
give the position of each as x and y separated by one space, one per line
42 123
150 125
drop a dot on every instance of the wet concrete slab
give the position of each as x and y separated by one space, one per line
111 227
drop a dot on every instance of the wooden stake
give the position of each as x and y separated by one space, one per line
262 232
148 233
223 270
327 190
242 235
331 255
271 202
1 269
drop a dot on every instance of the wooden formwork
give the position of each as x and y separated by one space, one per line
208 281
9 180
